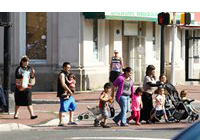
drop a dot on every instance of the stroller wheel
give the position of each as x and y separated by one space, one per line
196 116
80 117
177 121
86 116
191 119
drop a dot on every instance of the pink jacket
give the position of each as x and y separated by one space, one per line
136 102
119 82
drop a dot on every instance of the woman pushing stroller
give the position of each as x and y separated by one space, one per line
149 86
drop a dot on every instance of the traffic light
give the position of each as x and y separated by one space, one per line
187 18
163 18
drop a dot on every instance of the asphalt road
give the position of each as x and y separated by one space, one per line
100 134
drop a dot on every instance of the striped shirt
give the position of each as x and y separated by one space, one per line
116 64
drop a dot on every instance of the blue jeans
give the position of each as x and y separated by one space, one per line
124 103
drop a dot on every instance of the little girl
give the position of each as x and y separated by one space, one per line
72 82
136 106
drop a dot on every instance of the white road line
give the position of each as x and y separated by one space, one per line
115 138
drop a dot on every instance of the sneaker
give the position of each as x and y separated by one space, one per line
72 123
117 123
61 125
124 124
106 126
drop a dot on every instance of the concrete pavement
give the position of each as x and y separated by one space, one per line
46 106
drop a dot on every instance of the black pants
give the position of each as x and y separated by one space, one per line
147 106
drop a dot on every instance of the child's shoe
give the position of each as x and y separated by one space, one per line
102 124
106 126
138 123
96 123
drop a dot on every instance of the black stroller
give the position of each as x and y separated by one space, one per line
178 110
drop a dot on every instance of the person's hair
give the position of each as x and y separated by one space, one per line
65 64
127 69
107 86
139 89
149 69
183 93
71 74
24 59
162 75
157 91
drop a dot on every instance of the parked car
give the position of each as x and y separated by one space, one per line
190 133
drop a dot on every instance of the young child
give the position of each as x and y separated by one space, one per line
159 109
103 105
136 106
187 101
71 82
163 81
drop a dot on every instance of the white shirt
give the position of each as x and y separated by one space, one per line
160 101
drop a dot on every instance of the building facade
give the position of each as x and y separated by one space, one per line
49 39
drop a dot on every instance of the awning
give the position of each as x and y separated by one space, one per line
137 16
140 16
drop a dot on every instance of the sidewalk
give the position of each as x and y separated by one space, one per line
46 106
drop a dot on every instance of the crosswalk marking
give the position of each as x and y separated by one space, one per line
115 138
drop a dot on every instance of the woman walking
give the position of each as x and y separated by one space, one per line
125 86
149 85
25 79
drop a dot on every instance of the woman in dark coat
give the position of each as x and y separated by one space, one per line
25 79
149 85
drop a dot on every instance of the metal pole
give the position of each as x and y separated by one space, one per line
162 52
172 76
7 61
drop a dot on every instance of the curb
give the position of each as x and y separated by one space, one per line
13 126
54 122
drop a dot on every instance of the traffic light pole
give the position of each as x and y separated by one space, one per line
162 52
7 60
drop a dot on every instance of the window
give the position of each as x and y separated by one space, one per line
95 40
36 35
195 45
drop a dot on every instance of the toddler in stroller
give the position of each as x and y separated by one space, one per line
187 102
181 109
159 110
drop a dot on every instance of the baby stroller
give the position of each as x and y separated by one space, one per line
95 111
179 111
